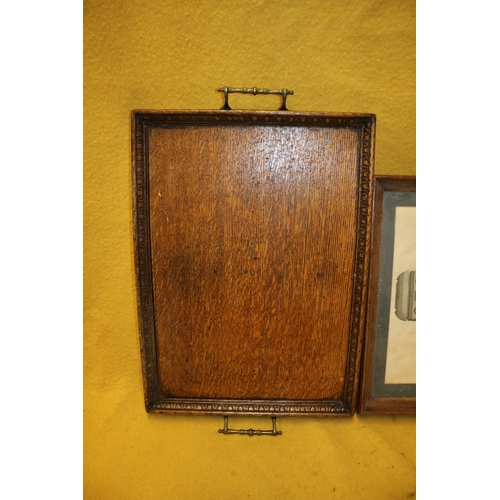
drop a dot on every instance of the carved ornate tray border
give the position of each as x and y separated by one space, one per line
142 122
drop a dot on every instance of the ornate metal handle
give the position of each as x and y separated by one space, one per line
250 432
230 90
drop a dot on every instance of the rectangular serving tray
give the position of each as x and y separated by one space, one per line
252 245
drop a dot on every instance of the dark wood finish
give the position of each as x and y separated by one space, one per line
251 238
366 402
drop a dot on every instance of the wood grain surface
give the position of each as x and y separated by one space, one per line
255 247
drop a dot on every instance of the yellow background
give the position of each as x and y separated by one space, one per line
340 55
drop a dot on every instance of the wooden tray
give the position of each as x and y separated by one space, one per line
252 239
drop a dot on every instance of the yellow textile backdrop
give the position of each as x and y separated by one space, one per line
345 55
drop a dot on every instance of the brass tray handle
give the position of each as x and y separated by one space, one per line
250 432
231 90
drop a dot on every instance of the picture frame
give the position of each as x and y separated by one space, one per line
388 374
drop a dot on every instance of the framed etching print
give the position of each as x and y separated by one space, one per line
388 382
252 238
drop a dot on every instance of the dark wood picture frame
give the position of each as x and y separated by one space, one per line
375 396
196 240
